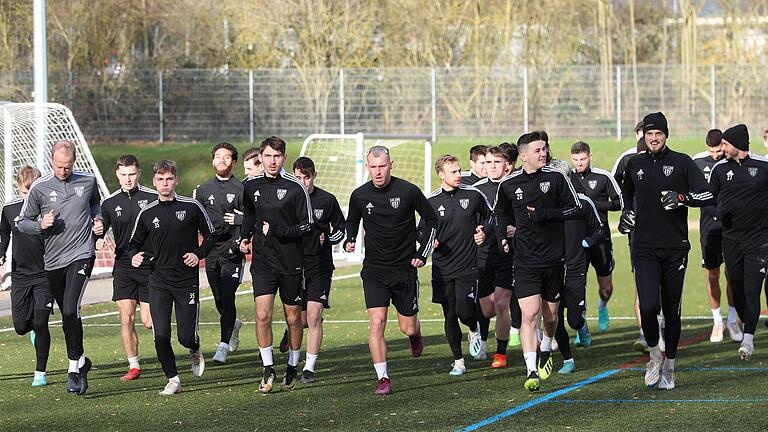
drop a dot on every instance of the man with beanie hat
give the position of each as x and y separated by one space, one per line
659 186
739 183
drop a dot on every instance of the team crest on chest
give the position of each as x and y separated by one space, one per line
230 198
394 202
281 193
318 213
592 184
464 203
668 170
79 190
142 203
181 214
752 171
544 186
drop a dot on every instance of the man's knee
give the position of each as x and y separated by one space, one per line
22 327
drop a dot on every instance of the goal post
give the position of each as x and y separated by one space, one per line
28 132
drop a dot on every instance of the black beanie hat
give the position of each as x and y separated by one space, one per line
655 121
738 136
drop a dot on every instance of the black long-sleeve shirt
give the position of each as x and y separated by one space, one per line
459 212
647 175
27 264
539 239
601 187
620 167
167 230
284 204
491 254
741 191
329 221
587 228
219 197
709 220
390 224
120 211
469 178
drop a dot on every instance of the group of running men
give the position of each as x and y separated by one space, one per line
510 242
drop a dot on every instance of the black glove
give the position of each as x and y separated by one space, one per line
672 200
627 221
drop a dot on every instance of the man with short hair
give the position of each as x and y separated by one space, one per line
386 205
318 260
659 186
64 208
537 200
222 199
31 298
602 189
252 163
166 234
477 170
740 184
461 213
711 236
129 284
278 214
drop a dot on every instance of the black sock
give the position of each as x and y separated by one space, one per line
501 346
485 324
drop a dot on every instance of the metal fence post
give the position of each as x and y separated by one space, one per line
341 101
618 103
434 106
525 99
713 93
160 102
250 105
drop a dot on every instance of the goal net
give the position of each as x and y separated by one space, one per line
340 164
28 132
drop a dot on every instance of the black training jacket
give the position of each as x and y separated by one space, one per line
119 211
219 197
27 264
329 221
601 187
491 253
587 228
709 220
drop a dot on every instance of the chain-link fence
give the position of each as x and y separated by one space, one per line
574 101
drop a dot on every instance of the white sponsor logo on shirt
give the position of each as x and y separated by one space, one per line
544 186
256 196
640 174
441 210
156 222
519 194
119 211
53 196
211 198
464 203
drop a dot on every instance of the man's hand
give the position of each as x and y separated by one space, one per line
190 259
265 227
627 221
417 263
229 218
349 246
244 246
137 259
98 227
479 235
505 245
99 244
48 220
322 238
511 231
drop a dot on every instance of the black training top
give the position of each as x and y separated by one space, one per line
587 228
459 212
601 187
329 221
219 197
119 211
284 204
539 240
709 220
167 230
468 178
390 224
27 264
741 191
620 166
647 175
491 253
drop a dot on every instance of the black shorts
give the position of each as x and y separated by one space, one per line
291 286
545 281
317 288
489 278
130 284
400 286
601 258
218 268
711 251
466 287
28 296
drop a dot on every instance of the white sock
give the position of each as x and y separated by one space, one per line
223 345
459 363
381 370
530 361
309 363
514 330
641 333
293 357
39 374
133 362
655 352
601 304
669 364
570 360
266 356
732 314
749 339
717 316
73 366
546 343
175 379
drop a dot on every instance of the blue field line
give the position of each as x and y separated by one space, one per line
538 401
710 369
639 401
